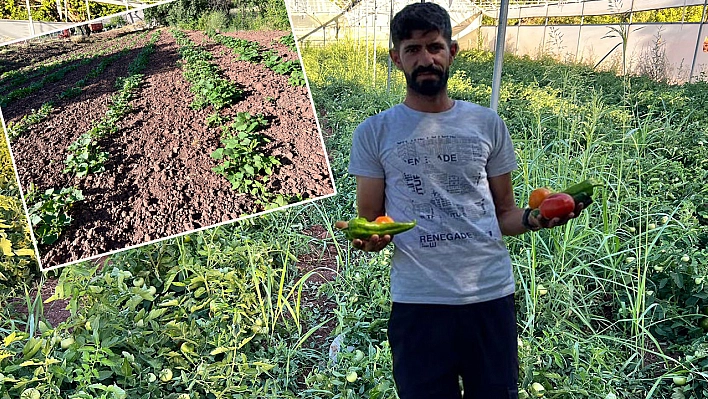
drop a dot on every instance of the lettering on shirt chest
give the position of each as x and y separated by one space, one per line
445 158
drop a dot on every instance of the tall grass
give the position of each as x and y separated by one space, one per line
602 308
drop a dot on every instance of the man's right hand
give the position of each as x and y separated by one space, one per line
373 244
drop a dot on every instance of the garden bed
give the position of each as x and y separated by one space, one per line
158 179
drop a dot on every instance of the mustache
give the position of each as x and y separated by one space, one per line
428 69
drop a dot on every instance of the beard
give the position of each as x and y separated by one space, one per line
428 86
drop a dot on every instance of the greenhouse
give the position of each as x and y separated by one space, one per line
680 41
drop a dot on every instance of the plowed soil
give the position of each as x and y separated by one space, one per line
158 180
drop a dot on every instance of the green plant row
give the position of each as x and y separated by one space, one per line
250 51
51 78
289 41
15 130
19 76
49 211
242 162
84 154
76 89
208 86
35 86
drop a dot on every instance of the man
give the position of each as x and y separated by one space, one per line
445 163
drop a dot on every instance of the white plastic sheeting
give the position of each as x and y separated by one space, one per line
11 29
587 7
313 19
589 44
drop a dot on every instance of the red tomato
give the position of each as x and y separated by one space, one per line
383 219
557 206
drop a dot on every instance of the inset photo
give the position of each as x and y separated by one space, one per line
194 116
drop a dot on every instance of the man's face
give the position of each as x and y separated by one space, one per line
425 60
705 45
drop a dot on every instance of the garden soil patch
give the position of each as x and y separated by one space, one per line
158 180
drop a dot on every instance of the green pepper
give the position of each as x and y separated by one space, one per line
363 229
584 187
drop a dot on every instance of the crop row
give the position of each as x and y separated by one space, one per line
49 211
243 163
208 87
85 155
51 78
251 51
16 129
19 76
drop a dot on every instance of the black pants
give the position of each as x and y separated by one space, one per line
434 345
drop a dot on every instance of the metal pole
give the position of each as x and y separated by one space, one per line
518 30
88 11
66 11
390 46
29 16
499 54
376 11
698 41
580 31
545 25
366 35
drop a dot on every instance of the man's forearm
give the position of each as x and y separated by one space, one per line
510 222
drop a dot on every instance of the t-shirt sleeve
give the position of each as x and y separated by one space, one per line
502 159
364 159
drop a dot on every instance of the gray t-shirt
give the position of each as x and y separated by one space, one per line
436 166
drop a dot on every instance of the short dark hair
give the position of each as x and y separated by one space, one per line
420 16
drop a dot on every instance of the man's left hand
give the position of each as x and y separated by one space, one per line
542 222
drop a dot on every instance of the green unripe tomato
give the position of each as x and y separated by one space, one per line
680 381
138 282
30 393
704 324
537 389
358 356
186 348
165 375
352 376
66 342
542 290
